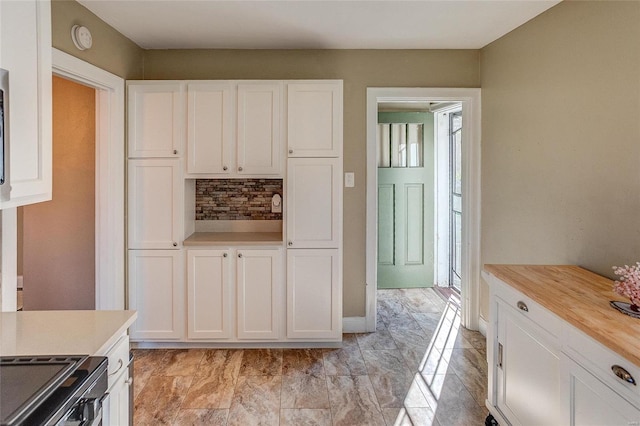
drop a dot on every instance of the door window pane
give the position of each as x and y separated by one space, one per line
400 145
414 141
384 145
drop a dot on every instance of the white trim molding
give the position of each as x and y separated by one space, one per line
470 100
354 324
110 158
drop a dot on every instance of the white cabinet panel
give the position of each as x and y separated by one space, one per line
210 295
592 403
210 109
314 295
155 204
528 370
259 117
314 200
156 292
25 53
155 119
116 411
259 282
314 119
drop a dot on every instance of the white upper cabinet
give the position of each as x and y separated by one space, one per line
155 204
314 119
155 119
25 55
259 121
314 200
210 110
234 129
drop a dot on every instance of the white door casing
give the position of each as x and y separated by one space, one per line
110 182
470 100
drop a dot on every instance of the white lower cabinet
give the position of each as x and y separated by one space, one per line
314 294
544 371
258 282
527 369
116 409
156 292
117 412
218 277
592 402
209 293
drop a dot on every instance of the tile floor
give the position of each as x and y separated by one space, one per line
419 368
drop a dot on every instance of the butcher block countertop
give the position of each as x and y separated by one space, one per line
234 238
579 297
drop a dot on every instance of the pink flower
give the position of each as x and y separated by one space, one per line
628 284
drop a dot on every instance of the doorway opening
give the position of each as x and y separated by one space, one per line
56 239
434 224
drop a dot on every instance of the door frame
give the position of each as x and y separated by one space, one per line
109 190
470 100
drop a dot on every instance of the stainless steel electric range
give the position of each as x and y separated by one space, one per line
52 390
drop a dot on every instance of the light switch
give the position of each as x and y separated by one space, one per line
349 180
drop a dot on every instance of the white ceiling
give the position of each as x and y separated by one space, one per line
311 24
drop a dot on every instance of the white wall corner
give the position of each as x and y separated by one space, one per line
354 324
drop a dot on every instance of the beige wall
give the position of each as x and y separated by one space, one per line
561 139
111 50
359 69
59 235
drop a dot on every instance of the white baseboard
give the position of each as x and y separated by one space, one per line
354 324
482 326
19 282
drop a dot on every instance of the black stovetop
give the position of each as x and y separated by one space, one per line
34 387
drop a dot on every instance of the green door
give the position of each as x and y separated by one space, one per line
405 200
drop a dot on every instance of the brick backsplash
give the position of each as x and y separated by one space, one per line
236 199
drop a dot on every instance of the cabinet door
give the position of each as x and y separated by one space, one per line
259 117
155 119
259 276
155 204
314 196
528 370
25 53
314 294
117 410
314 119
155 291
592 403
210 135
209 295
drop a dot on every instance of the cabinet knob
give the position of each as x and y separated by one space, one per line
522 306
290 243
224 255
240 169
175 151
225 168
623 374
175 244
129 381
290 151
239 254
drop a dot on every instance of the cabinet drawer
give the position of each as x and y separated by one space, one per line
599 360
118 358
529 309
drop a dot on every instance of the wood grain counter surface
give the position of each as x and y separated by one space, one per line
579 297
234 239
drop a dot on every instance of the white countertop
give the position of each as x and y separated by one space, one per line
62 332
